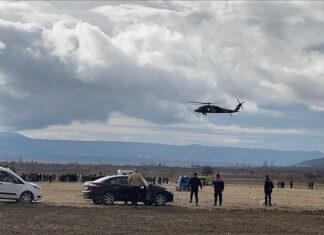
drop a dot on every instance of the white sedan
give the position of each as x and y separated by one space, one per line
14 187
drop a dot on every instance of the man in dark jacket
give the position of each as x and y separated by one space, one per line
218 189
268 186
194 183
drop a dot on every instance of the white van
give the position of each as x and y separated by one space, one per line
15 188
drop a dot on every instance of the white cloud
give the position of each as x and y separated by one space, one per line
2 79
15 7
131 12
316 108
145 60
2 46
82 76
146 42
30 12
29 27
80 45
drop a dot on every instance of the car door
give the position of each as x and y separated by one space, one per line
10 186
121 188
149 193
126 189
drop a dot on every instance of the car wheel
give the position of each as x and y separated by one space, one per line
108 198
160 199
97 201
26 197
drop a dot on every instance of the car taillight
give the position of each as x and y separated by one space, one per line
93 185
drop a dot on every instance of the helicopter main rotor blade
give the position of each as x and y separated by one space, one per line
198 102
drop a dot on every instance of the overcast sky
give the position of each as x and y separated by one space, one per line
125 71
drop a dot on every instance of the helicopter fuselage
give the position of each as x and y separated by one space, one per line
214 109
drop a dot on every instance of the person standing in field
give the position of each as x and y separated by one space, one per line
135 180
268 186
193 184
218 183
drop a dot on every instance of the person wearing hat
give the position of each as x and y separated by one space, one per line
135 180
268 186
194 183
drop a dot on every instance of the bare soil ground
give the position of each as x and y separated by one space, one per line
64 211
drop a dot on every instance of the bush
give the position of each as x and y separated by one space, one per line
207 170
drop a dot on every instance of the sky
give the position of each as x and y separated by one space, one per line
125 71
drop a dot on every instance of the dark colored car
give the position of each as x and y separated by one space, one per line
110 189
182 183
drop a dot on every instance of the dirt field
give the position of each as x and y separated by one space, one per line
64 211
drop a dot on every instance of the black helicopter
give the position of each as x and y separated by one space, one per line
211 108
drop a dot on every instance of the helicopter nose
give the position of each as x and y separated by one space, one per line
197 110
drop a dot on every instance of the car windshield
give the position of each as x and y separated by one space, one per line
102 179
185 179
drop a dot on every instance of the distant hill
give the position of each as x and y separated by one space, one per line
14 145
315 163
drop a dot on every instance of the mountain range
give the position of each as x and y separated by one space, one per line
315 163
14 146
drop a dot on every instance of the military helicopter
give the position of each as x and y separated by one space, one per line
211 108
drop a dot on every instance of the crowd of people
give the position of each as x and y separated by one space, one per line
158 180
73 177
68 177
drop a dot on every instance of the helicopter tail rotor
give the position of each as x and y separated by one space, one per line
240 104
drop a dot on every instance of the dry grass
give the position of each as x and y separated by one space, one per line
235 196
251 196
64 211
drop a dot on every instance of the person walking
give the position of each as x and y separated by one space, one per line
135 180
268 186
218 183
193 184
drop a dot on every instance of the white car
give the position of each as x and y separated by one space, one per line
14 187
